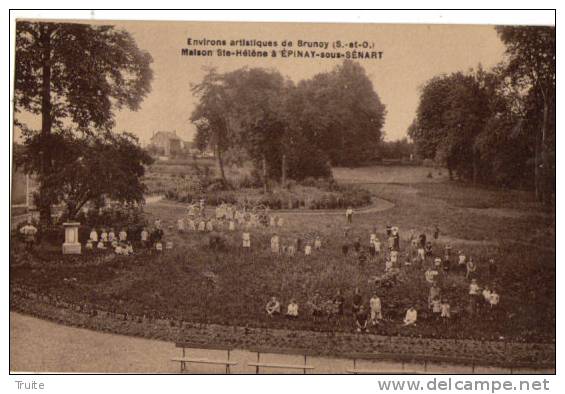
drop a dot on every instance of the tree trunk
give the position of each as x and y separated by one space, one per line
264 164
46 124
545 173
220 163
536 171
283 180
475 166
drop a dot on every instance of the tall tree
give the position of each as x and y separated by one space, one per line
77 74
213 116
453 110
531 64
259 97
341 114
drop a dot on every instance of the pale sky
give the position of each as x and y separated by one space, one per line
412 55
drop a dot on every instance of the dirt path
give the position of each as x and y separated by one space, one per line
42 346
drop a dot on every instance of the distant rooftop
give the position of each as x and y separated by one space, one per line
171 135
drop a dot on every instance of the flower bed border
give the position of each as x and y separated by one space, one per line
331 344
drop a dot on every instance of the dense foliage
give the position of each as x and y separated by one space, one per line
496 126
290 131
73 75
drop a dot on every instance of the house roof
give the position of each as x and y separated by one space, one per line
170 135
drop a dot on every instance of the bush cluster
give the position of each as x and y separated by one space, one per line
329 195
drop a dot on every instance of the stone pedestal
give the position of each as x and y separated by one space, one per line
72 244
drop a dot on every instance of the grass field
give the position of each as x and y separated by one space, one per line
195 283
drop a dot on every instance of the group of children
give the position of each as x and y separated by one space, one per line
108 239
292 247
227 217
419 253
121 244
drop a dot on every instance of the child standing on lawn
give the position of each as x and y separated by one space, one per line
436 232
421 254
486 295
345 249
291 250
396 239
144 237
461 261
491 269
318 243
104 236
446 265
429 250
246 237
111 236
430 275
275 244
376 310
445 310
349 215
474 294
388 265
471 269
437 263
180 225
436 307
435 293
377 245
308 249
494 300
447 250
391 241
357 245
394 256
123 235
299 244
362 257
338 301
93 236
190 224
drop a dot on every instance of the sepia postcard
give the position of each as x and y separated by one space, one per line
285 198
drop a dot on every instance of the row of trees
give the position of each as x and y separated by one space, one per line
74 76
496 126
290 130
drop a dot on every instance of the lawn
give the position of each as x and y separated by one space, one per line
194 283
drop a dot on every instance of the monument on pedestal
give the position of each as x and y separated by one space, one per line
71 245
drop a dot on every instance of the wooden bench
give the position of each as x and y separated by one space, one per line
184 360
258 365
357 371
